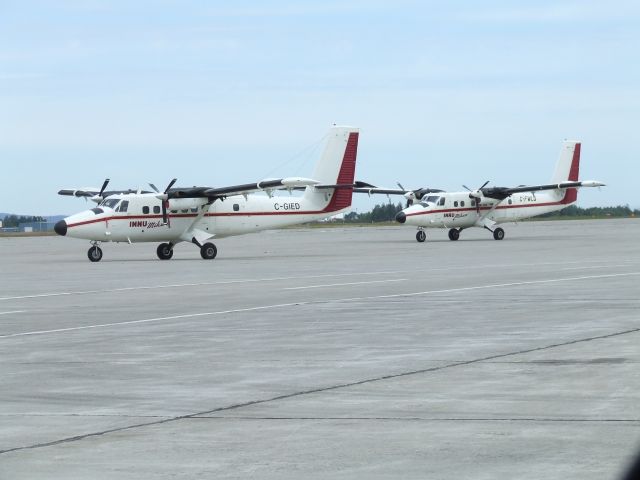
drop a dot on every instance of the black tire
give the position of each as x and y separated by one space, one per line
421 236
208 251
454 234
164 251
498 234
95 254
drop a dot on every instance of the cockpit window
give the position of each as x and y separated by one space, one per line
124 205
109 202
433 199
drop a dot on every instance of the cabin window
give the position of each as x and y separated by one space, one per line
145 210
186 210
156 209
236 207
124 205
441 202
455 204
462 203
510 202
473 203
194 210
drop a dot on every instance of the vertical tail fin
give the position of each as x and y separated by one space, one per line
337 166
568 169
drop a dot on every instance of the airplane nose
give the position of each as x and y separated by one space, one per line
401 217
60 228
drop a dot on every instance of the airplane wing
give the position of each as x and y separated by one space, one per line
500 193
289 183
89 193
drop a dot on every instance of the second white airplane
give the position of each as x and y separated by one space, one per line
487 207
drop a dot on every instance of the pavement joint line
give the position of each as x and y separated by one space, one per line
317 302
13 311
431 419
311 391
346 284
302 277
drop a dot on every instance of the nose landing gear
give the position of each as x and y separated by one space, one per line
95 252
421 236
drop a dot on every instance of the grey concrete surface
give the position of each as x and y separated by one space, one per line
325 353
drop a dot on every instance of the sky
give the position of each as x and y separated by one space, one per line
224 93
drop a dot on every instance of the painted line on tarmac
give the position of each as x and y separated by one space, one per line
315 302
344 284
14 311
200 284
301 277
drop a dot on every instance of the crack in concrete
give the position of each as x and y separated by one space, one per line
316 390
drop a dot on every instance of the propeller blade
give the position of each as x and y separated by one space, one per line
166 190
400 185
104 185
165 202
467 188
484 185
165 218
155 189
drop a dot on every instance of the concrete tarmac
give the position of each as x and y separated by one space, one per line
325 353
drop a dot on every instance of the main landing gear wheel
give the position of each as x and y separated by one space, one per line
95 253
498 234
421 236
164 251
454 234
208 251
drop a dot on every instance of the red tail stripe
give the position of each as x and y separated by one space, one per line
571 195
342 197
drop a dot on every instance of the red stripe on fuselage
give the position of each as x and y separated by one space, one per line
503 207
193 215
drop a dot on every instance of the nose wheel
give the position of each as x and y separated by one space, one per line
95 253
498 234
421 236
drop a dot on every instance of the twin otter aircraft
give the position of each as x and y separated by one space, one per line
198 214
488 206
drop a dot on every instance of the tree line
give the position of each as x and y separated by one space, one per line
10 221
620 211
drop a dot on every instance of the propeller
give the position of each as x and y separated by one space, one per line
478 192
98 198
477 195
154 188
165 199
410 195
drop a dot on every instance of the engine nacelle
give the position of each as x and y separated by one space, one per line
186 203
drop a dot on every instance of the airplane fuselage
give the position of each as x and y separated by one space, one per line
138 217
458 210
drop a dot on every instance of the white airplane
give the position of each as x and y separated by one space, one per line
486 207
199 214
